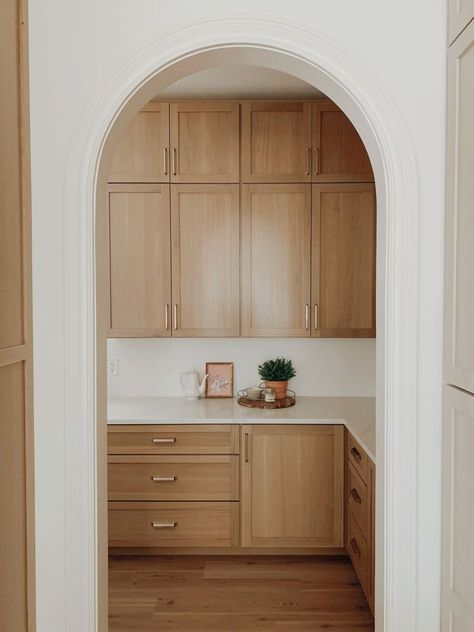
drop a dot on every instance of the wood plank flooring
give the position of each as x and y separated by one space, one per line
234 594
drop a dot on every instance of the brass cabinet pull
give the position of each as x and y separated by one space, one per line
356 496
164 440
166 317
165 160
355 547
356 454
316 316
174 161
306 316
164 479
164 525
246 447
175 317
308 160
316 162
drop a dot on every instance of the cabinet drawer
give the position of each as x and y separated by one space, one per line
173 439
206 477
169 524
358 499
358 457
359 551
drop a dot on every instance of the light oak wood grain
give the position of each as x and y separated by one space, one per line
276 236
358 500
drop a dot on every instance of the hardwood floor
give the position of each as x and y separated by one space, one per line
233 594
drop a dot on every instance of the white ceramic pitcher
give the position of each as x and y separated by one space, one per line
193 389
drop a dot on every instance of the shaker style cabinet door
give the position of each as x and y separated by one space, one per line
143 153
204 140
276 240
459 317
140 274
461 12
292 486
339 154
343 260
276 141
205 259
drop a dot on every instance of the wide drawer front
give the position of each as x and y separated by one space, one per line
358 499
206 477
173 524
359 551
358 458
173 439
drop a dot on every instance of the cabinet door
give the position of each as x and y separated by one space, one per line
343 260
461 12
339 153
205 261
458 512
292 486
205 142
276 224
276 141
140 274
459 317
143 153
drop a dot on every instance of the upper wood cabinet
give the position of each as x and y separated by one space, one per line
143 152
461 12
459 317
204 140
205 259
292 486
276 241
339 154
140 275
276 141
343 260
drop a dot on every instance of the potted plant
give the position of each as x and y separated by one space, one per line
276 374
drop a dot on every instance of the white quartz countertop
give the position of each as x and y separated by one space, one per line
356 413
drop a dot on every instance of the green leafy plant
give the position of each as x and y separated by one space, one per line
278 370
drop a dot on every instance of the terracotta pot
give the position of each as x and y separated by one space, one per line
279 388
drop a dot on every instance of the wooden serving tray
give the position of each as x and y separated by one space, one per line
286 402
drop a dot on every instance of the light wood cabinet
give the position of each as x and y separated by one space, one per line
276 141
292 486
205 260
140 274
276 241
343 260
204 140
460 13
339 154
143 153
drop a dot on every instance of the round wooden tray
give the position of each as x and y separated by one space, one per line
286 402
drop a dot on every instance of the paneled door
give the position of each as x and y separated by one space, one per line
339 154
461 12
205 259
292 486
204 139
143 153
343 260
459 317
17 573
276 141
276 241
140 265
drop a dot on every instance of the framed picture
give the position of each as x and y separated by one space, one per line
220 382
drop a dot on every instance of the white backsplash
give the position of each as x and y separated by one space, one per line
151 366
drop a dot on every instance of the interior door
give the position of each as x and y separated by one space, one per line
205 142
276 239
17 592
276 141
140 266
292 486
343 260
461 12
205 259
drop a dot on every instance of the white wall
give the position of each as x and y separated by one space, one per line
324 367
74 48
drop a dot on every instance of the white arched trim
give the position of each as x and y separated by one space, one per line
311 57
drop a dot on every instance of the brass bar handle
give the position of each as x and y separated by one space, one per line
164 440
164 525
246 447
356 496
316 161
308 160
174 160
306 316
166 317
165 160
316 316
175 317
355 547
356 454
164 479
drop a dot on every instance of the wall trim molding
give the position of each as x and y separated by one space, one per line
311 56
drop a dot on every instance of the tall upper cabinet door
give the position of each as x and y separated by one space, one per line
143 153
276 141
343 260
204 140
276 225
205 247
339 154
461 12
459 318
140 274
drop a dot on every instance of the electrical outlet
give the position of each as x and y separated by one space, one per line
113 368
